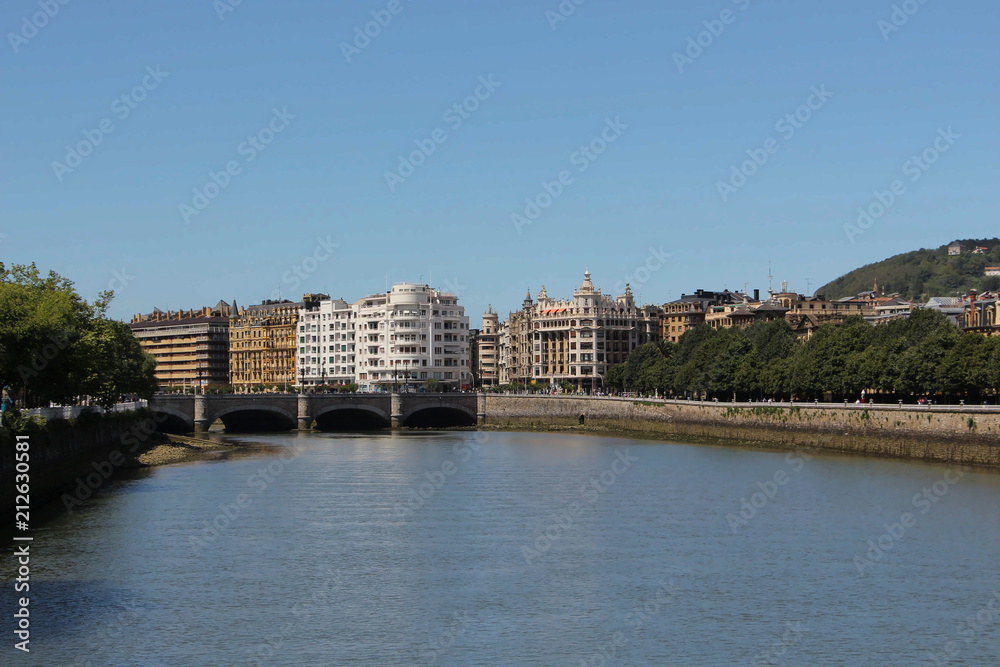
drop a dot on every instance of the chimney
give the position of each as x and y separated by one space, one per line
756 295
972 296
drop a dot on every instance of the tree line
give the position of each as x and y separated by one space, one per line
922 356
57 347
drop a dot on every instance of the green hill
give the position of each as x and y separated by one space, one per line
923 273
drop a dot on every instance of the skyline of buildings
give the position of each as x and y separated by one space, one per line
412 333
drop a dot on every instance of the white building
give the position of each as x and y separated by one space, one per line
326 341
408 335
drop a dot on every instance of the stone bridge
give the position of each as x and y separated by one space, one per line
346 412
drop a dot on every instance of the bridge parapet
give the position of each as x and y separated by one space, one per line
301 410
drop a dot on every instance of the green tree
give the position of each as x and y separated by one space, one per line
56 346
117 366
432 385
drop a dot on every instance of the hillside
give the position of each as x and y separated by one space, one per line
923 273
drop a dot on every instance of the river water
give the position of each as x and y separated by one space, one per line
464 548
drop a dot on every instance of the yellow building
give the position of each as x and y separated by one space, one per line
263 345
191 347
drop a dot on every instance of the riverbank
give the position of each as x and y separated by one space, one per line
171 448
84 455
942 435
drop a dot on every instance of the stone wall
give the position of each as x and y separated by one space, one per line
946 434
64 453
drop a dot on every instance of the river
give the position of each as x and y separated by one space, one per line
462 548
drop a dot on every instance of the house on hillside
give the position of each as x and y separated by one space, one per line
980 250
991 271
956 248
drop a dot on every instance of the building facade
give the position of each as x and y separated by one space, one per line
191 347
408 335
980 313
326 340
487 357
263 345
557 341
691 310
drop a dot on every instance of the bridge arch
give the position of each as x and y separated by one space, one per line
254 417
439 414
171 420
352 417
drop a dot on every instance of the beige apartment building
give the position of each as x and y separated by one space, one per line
191 347
487 350
263 345
576 340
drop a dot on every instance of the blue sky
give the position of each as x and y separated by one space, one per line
309 129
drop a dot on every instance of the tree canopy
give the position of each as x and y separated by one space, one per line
923 355
55 346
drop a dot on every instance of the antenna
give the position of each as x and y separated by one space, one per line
808 286
770 291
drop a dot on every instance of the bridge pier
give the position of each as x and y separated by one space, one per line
304 419
481 408
200 408
395 410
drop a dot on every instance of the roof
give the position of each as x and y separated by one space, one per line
772 306
159 324
943 302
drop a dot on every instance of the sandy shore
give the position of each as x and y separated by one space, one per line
180 448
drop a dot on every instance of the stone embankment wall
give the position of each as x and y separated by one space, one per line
944 434
60 456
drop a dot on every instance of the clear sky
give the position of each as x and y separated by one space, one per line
118 114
